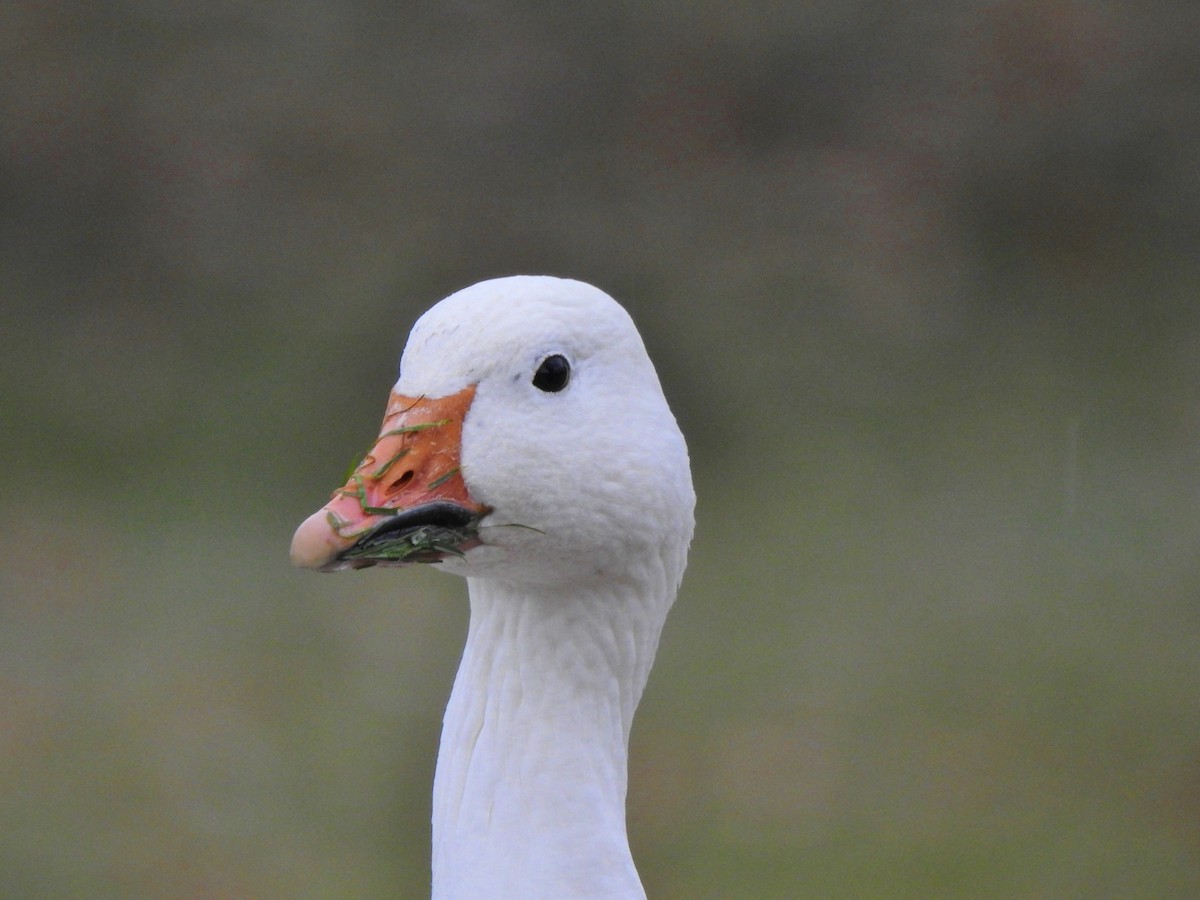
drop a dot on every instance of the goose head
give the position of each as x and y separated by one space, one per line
527 446
527 439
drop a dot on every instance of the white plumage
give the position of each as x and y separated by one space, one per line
580 508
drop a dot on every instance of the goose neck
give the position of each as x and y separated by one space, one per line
532 769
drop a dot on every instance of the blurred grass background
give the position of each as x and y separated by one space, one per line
920 281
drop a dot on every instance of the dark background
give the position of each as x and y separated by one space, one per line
920 281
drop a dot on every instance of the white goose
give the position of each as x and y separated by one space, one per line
528 447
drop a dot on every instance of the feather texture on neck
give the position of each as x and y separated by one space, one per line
529 798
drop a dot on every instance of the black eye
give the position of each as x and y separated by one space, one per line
553 374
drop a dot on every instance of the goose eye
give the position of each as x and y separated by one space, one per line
553 374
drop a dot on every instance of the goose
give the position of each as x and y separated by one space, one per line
527 446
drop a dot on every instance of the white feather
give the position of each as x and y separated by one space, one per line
529 796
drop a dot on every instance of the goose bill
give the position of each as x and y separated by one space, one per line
406 501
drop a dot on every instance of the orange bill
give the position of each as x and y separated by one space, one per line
406 501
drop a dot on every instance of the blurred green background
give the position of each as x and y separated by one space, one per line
921 284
